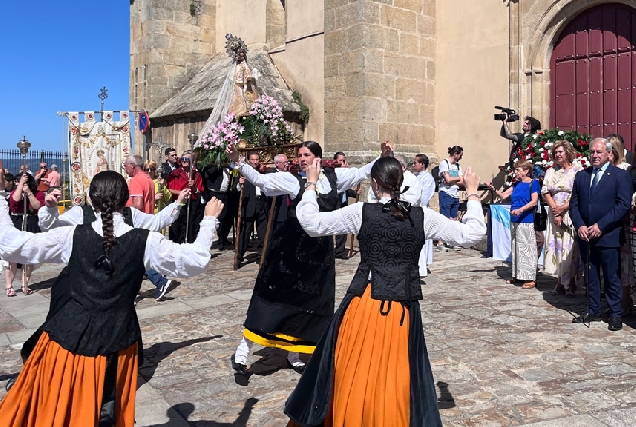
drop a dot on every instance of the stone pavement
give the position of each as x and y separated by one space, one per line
505 356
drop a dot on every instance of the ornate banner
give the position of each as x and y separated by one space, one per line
95 147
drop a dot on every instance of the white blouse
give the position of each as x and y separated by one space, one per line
50 217
56 245
285 183
349 220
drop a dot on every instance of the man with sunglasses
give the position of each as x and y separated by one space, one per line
170 164
186 176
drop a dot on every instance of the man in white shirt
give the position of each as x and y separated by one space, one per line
411 190
427 182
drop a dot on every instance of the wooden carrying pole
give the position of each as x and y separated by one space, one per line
270 219
353 235
238 230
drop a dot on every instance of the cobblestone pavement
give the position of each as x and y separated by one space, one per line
507 356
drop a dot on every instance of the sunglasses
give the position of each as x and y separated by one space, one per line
185 159
149 170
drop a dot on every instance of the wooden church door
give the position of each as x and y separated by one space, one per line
593 73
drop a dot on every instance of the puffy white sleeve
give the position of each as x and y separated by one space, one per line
23 247
158 221
271 184
315 223
50 217
350 177
466 233
181 260
414 192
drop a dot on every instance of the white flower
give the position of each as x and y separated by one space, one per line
540 150
515 160
535 136
561 132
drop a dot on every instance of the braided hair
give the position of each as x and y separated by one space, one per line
109 194
387 173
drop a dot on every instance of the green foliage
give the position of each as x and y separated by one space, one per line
537 149
304 109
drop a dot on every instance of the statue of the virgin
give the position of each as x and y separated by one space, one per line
239 89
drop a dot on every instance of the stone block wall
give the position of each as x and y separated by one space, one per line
379 76
168 46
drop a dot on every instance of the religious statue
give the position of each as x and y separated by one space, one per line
244 90
102 163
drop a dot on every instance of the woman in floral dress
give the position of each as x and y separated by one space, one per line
562 257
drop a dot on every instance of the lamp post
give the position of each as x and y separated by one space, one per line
192 137
24 146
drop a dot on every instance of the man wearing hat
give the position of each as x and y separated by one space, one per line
54 176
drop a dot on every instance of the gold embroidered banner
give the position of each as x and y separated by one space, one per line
94 147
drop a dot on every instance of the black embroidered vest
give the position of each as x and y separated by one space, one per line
93 312
390 250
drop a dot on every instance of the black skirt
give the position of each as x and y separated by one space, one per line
294 294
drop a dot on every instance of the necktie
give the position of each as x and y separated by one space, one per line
595 177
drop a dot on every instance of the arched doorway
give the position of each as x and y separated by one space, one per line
593 73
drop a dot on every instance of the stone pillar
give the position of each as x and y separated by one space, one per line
379 76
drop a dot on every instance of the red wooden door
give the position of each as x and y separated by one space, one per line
593 72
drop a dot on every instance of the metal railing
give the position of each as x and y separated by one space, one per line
12 159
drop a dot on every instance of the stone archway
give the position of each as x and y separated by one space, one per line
593 69
533 33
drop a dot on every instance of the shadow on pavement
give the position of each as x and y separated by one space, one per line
157 352
184 410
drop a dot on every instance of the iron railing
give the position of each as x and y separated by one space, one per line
12 159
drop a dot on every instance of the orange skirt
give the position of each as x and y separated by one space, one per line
60 388
371 376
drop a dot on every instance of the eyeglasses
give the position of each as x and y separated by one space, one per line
172 155
185 159
150 170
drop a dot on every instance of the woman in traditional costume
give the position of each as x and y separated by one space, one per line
371 366
87 355
294 294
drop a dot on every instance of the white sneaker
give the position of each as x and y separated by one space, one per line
163 290
441 247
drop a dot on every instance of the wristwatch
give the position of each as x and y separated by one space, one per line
308 183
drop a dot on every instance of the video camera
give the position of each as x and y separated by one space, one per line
509 115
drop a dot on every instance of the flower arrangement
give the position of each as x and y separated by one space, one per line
210 148
265 124
537 148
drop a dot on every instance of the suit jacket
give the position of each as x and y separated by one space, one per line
166 169
607 206
248 206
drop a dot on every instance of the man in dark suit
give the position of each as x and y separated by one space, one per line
171 163
601 197
253 210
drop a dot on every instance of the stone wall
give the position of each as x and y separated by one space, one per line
168 46
379 76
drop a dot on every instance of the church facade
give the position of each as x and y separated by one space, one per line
423 74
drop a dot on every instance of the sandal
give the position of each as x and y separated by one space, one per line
26 290
10 291
528 285
511 281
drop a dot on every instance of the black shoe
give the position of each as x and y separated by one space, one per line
298 368
220 246
615 324
342 256
587 318
239 368
10 383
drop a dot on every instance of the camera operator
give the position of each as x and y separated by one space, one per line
530 126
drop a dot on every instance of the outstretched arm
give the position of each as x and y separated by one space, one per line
187 259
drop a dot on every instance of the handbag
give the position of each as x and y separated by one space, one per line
540 213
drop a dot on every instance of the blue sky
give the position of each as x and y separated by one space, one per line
56 56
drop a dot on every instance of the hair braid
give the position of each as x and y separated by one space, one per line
108 227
